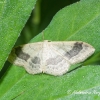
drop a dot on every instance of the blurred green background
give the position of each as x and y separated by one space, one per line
40 18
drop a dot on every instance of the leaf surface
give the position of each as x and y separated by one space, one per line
75 22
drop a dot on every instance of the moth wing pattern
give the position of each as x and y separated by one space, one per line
53 58
29 56
54 63
74 51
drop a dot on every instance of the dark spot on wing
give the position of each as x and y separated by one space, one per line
75 50
32 65
54 61
35 60
35 63
21 54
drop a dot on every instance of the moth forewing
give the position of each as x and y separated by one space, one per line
53 58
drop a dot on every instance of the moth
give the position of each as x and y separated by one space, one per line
49 57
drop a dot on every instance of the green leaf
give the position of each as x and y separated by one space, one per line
68 86
13 16
79 21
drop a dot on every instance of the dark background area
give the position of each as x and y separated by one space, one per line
41 17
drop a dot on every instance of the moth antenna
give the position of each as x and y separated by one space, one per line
43 35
